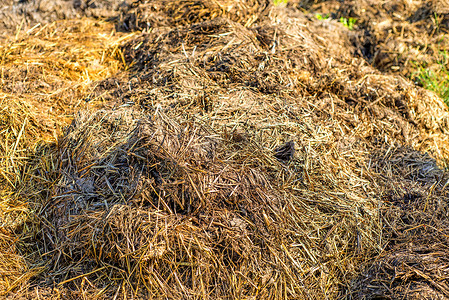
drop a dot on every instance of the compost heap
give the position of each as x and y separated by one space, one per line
242 151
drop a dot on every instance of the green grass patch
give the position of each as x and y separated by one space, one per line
322 17
348 22
436 81
279 2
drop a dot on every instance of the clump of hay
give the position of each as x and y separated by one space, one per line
16 15
396 36
183 209
147 14
46 72
415 209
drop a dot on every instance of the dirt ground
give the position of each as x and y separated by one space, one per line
222 150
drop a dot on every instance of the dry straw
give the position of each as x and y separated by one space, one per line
231 159
46 72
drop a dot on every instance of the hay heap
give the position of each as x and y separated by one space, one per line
242 162
394 36
15 14
145 14
45 73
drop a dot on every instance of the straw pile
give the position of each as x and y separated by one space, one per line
16 14
236 162
144 14
395 36
46 71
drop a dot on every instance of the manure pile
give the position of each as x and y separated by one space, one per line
214 150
